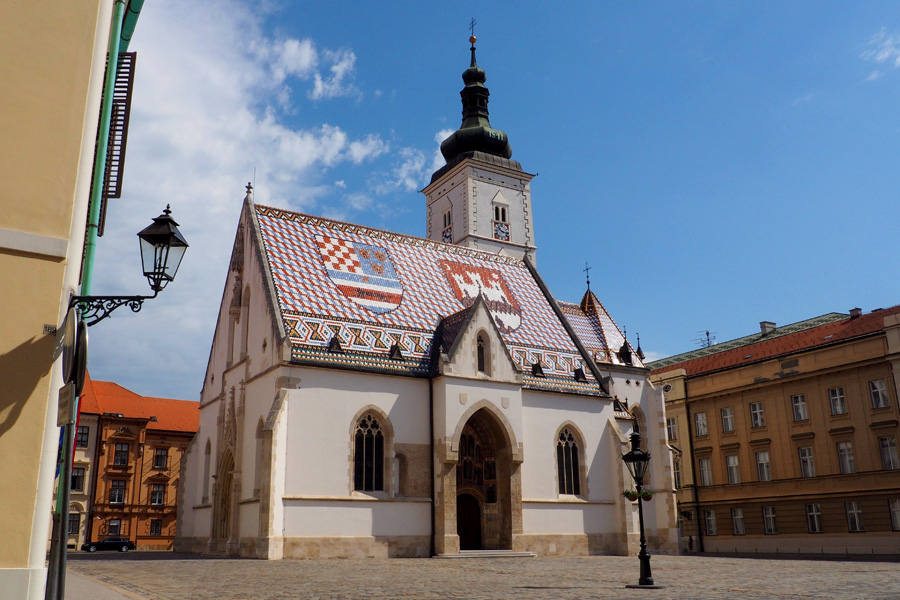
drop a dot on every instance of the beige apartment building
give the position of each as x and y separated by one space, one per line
786 440
53 60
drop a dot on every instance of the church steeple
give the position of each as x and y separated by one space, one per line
475 133
481 198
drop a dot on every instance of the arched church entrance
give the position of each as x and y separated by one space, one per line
483 499
468 519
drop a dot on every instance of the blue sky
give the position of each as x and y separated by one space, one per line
717 163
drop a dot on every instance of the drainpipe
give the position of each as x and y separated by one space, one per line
129 23
433 372
90 245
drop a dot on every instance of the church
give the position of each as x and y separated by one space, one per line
376 394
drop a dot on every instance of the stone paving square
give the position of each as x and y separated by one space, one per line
166 576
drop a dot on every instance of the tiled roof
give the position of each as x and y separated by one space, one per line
101 397
822 331
373 288
597 330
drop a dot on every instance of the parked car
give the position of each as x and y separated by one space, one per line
111 543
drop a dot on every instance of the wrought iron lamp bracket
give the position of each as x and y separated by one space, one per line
96 308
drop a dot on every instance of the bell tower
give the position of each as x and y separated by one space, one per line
480 198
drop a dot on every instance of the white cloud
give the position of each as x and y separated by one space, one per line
873 76
803 99
410 173
369 148
208 116
359 201
883 48
338 84
438 158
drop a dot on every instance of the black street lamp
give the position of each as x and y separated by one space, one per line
637 461
162 248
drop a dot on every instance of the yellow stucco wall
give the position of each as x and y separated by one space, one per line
46 55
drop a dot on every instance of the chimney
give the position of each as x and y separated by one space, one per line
766 327
855 312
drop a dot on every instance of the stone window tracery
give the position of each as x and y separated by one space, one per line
368 456
568 463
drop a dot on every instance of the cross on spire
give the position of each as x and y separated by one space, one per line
587 272
472 26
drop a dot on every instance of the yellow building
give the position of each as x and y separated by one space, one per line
53 60
787 439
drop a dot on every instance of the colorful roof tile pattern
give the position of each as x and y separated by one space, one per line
596 330
372 289
826 330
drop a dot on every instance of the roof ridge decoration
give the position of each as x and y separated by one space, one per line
412 240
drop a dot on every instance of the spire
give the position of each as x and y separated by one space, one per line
475 134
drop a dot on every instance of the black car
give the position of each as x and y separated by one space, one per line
112 543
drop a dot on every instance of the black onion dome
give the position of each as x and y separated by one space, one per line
475 134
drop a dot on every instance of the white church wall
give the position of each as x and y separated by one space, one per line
544 415
571 518
319 458
322 518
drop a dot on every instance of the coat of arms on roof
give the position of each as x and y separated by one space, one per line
468 280
362 272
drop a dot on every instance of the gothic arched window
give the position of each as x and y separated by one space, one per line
568 463
368 455
482 365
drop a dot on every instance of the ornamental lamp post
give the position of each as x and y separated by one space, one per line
162 248
637 461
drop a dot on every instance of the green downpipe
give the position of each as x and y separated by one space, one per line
90 244
129 22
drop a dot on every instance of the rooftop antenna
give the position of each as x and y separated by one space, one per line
706 339
587 271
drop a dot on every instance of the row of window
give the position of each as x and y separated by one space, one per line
160 457
117 493
852 508
500 215
120 455
369 464
845 454
836 398
115 526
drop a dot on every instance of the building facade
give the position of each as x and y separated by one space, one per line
376 394
53 64
127 467
786 440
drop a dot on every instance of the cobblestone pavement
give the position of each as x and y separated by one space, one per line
166 576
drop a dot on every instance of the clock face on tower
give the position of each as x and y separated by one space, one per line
501 231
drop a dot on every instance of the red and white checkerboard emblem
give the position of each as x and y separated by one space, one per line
362 272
